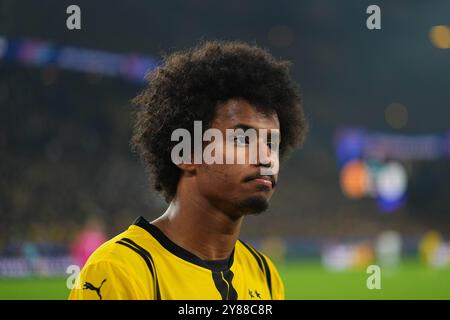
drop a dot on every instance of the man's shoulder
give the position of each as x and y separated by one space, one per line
127 248
259 260
254 256
121 266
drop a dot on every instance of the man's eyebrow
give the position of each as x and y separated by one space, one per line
243 126
246 127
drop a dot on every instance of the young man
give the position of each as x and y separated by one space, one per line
192 251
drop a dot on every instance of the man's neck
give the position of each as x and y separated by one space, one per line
195 225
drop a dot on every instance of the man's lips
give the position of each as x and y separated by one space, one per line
268 181
263 182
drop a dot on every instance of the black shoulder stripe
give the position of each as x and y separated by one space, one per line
149 256
148 260
262 264
150 266
254 255
268 277
137 246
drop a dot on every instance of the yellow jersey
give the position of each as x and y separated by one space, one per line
143 263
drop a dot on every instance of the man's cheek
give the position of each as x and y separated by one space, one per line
218 174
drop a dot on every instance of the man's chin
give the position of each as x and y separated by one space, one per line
253 205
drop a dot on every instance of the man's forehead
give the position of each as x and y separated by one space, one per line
238 111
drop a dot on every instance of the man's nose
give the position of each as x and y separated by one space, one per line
268 159
265 156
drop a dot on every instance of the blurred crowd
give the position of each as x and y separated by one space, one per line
65 157
64 136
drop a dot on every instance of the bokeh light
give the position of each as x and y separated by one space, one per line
391 182
396 115
354 179
440 36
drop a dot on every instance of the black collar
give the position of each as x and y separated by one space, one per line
214 265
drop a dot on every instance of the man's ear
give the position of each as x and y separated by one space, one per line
188 168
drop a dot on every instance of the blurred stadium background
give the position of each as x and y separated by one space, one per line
371 185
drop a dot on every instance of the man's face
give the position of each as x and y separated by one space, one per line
240 188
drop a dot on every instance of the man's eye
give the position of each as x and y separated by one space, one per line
241 140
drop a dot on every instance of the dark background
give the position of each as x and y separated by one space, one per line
64 135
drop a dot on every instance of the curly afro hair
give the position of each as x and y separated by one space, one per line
190 84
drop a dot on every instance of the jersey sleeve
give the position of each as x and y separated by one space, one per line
105 280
